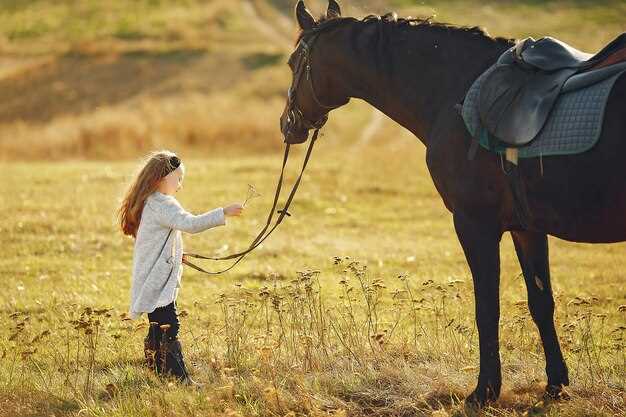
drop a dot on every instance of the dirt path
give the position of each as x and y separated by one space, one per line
371 129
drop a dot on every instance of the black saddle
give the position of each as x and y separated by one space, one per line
515 100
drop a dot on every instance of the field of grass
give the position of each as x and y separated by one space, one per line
293 329
360 304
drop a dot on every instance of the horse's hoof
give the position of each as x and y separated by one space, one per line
556 393
481 397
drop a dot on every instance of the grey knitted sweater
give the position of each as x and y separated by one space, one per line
157 258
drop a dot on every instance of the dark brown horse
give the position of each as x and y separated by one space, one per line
415 71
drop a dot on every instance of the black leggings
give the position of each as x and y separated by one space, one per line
166 315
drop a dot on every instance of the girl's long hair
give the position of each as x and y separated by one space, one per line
144 183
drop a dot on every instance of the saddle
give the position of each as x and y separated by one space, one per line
517 96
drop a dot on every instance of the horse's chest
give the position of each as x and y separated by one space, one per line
464 184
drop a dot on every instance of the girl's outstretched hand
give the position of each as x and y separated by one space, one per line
233 210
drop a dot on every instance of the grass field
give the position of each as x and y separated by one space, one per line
360 304
269 340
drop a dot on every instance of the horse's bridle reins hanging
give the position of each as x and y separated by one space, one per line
295 116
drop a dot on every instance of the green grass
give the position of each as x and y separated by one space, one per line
587 25
84 20
70 22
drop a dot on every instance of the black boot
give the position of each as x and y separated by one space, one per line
151 348
172 362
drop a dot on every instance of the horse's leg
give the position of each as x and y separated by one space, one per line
481 244
532 251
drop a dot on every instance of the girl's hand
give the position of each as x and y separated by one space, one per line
233 210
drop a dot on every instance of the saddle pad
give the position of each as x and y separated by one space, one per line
574 125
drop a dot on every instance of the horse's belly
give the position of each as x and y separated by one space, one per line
595 219
593 234
582 197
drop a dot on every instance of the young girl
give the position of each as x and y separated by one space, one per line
150 213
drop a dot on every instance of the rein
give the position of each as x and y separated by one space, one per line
294 117
262 235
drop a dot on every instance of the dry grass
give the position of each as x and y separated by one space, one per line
104 80
390 334
380 320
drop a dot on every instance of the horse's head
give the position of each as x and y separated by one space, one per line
313 89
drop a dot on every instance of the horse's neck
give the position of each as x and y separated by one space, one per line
413 80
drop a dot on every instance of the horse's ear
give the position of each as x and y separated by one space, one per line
334 10
305 19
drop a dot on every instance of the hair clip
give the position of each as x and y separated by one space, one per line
174 162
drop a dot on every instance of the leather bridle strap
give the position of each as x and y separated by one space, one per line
262 235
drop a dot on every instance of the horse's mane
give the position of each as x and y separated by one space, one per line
408 22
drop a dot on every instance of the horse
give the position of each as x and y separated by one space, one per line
415 71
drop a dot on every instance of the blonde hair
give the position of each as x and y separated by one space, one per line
146 181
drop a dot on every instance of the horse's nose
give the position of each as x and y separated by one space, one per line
286 123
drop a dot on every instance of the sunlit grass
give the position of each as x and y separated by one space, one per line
360 304
389 327
197 74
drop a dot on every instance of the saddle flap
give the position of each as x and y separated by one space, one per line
514 103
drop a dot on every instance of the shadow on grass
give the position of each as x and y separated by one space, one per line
527 401
35 404
76 83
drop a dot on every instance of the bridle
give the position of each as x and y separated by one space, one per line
294 117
